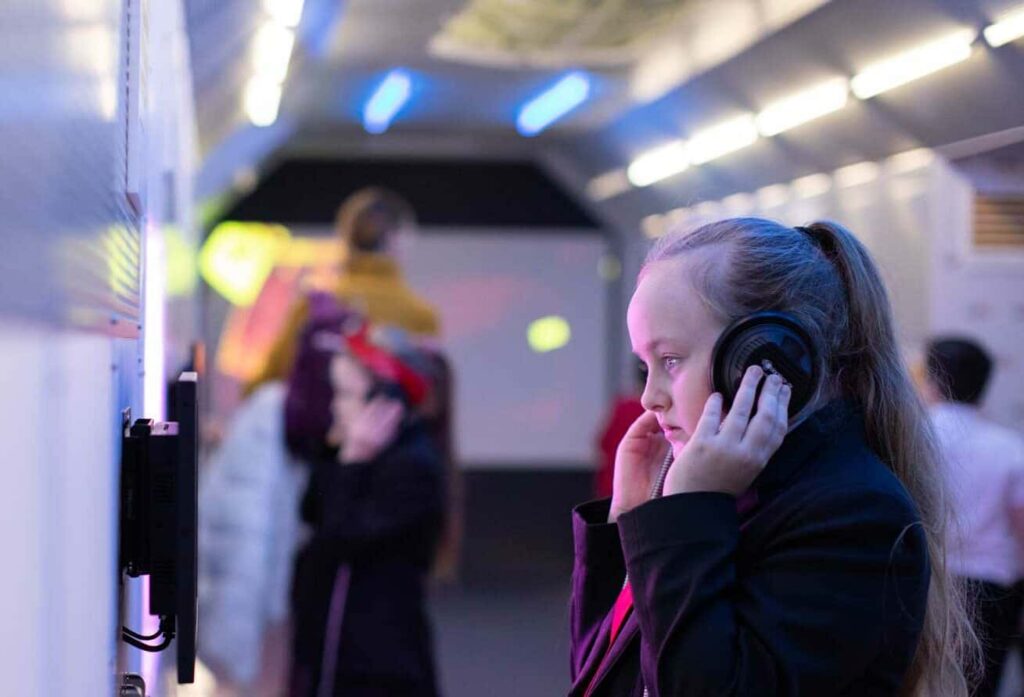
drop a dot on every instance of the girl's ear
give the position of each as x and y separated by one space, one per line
776 342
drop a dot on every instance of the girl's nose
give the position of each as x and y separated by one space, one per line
653 398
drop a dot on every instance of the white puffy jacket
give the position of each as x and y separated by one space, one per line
249 530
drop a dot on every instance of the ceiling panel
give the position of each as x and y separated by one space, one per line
982 95
793 44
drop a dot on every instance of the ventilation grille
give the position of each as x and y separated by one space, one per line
163 571
999 221
163 488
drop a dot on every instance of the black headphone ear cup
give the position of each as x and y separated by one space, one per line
773 340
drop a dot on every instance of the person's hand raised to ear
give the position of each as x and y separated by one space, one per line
727 455
372 429
638 460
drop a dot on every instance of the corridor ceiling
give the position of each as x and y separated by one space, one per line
660 70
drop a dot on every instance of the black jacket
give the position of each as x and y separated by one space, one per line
820 589
358 590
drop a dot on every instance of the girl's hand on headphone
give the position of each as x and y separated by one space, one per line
638 459
371 430
727 455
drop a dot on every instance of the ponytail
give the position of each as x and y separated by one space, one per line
868 367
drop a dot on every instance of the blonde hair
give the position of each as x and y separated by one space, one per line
825 278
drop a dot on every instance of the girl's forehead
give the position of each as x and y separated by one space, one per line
667 276
664 289
666 305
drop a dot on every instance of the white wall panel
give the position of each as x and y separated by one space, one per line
71 313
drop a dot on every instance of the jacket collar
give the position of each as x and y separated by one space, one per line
835 421
601 662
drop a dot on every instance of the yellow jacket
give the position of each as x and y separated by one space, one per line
371 284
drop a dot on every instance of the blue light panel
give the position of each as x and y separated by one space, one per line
387 100
554 103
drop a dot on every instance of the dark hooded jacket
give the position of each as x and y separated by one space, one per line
361 624
819 589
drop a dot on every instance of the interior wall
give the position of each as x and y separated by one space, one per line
979 293
517 406
83 159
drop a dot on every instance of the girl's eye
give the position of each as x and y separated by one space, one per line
669 362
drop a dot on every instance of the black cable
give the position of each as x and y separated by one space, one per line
137 640
140 637
152 648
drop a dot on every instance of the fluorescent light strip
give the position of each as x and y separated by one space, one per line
552 104
609 184
272 50
286 12
262 100
805 187
678 216
805 106
856 174
812 185
772 196
657 164
1009 28
909 161
913 64
386 101
153 313
708 210
738 204
725 138
654 226
802 107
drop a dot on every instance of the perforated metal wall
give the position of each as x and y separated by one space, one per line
69 238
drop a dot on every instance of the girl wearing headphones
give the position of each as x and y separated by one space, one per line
776 526
375 503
